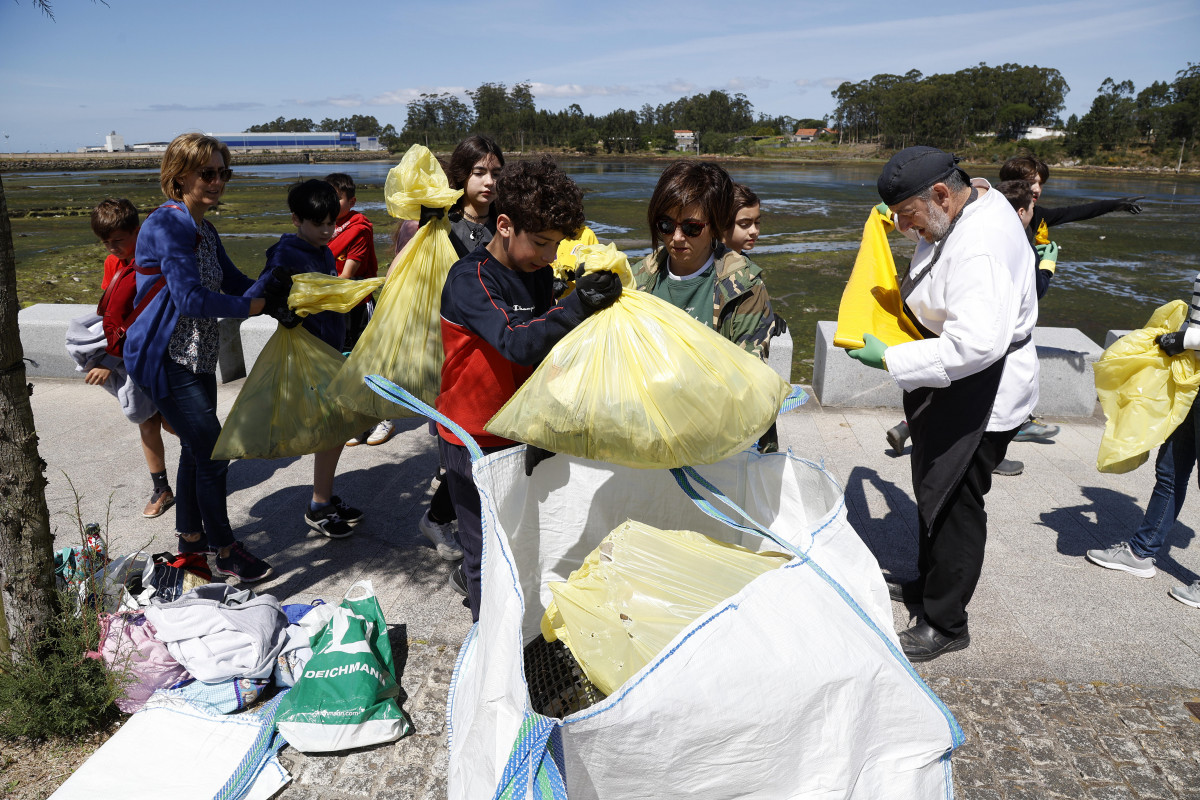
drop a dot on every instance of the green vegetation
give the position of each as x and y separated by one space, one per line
56 691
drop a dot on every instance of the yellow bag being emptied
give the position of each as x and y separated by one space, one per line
313 292
635 592
1144 392
871 300
644 385
403 340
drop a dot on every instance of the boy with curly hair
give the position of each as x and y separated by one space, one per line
499 320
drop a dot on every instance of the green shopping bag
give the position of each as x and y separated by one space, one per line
346 694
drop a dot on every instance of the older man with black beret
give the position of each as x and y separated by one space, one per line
968 385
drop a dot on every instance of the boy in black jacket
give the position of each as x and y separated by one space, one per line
499 320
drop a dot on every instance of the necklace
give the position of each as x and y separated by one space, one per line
473 229
472 217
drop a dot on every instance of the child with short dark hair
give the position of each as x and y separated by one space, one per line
499 320
315 207
353 247
115 223
747 220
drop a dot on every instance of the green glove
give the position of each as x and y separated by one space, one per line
871 354
883 209
1049 256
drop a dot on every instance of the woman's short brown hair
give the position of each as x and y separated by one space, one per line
186 153
686 183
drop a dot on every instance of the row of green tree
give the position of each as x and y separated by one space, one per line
511 116
893 111
952 110
1163 115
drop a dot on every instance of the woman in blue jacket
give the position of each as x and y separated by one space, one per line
171 349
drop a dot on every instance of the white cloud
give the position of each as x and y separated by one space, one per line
401 97
741 84
576 90
677 86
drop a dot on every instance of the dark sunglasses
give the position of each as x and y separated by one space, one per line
210 174
666 226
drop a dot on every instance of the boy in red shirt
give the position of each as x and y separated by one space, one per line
353 247
499 320
115 223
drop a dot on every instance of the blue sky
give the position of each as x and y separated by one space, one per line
153 70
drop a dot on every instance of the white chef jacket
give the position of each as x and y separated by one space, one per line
979 298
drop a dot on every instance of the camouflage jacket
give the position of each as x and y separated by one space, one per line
741 307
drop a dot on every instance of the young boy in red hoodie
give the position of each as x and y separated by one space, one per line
116 224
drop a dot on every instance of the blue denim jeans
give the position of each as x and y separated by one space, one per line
1172 470
191 408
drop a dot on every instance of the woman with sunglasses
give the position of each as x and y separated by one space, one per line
691 269
171 348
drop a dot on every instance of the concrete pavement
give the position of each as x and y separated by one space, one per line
1073 686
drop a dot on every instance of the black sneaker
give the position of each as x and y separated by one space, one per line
349 514
328 521
243 565
201 545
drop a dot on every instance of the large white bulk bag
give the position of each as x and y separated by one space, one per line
794 687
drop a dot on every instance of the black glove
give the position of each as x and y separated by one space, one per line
1130 204
1170 343
535 456
780 326
599 289
277 307
560 287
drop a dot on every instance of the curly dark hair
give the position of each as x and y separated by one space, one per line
538 196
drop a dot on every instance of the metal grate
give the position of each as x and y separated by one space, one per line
557 685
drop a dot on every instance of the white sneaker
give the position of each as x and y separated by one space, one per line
357 440
1187 594
442 537
383 431
1123 558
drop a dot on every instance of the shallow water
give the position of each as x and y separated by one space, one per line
1113 270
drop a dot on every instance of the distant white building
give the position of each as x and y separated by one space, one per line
685 140
113 143
321 140
1038 132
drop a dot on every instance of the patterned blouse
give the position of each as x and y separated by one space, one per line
196 340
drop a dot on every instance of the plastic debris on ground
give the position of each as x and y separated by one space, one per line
635 592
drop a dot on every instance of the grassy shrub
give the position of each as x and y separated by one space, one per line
57 690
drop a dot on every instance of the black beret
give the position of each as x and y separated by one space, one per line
913 170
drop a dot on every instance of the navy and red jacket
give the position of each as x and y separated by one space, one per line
497 325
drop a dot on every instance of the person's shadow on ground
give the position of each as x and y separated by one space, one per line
1108 518
892 538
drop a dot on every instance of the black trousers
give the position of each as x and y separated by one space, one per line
950 555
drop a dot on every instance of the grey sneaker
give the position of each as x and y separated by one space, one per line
442 536
1035 429
1122 558
896 437
1009 467
1189 595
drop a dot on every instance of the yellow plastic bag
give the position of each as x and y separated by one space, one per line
313 292
635 592
871 300
1144 392
403 340
283 408
568 251
644 385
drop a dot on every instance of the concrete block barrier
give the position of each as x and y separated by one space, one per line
43 328
1112 336
1065 358
780 356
